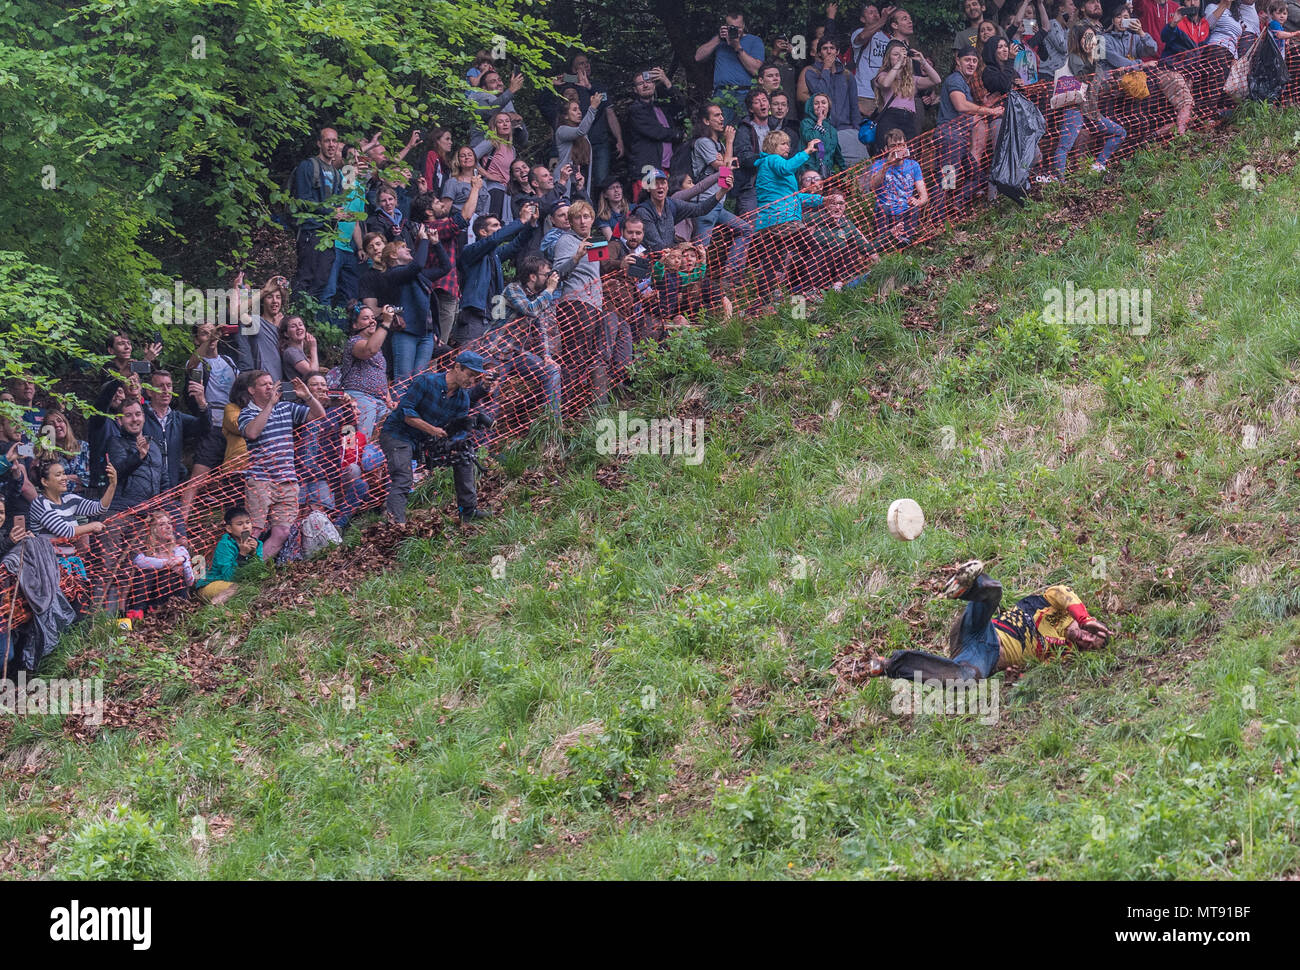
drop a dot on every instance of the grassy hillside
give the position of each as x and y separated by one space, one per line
661 674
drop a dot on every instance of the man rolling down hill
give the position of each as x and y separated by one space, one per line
984 638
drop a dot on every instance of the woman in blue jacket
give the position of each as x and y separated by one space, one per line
780 233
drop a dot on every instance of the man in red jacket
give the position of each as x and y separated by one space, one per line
1154 14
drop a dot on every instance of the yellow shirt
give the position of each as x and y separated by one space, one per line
1036 624
235 443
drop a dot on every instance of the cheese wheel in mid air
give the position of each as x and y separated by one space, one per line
905 519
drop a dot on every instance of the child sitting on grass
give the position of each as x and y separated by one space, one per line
236 548
165 563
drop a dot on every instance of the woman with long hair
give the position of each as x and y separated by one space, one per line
896 86
437 163
1082 65
571 144
58 442
518 184
164 561
457 185
365 370
404 281
257 344
593 338
297 348
612 210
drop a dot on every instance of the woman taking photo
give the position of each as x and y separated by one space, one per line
1073 92
897 85
402 280
364 370
571 144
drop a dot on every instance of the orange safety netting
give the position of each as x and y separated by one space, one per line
599 327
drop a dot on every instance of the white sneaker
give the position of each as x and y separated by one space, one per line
1099 166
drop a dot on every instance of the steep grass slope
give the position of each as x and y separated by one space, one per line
645 668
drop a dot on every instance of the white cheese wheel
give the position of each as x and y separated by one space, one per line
905 519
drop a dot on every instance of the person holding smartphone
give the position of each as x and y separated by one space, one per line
715 152
267 424
654 124
1126 43
526 340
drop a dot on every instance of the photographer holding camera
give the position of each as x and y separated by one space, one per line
432 420
737 59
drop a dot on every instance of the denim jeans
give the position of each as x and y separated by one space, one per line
954 156
1072 127
600 158
343 281
978 651
370 411
410 355
742 230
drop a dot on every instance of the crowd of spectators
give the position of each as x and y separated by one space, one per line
511 273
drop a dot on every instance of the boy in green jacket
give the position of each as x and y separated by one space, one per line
236 548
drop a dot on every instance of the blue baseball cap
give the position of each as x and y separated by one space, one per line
658 174
471 361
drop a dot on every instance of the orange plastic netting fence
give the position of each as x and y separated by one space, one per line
792 249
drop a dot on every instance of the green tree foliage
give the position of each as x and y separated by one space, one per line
146 139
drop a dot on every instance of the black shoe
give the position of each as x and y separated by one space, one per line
472 515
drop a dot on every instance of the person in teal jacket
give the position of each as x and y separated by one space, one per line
237 548
777 182
828 159
780 234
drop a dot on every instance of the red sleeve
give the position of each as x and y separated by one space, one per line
1079 612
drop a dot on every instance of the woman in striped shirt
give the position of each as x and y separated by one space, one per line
54 512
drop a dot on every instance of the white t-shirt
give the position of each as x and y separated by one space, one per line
872 57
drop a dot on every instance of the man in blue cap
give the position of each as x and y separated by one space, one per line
661 213
433 416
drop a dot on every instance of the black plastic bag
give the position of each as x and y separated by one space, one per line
1016 149
1268 76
